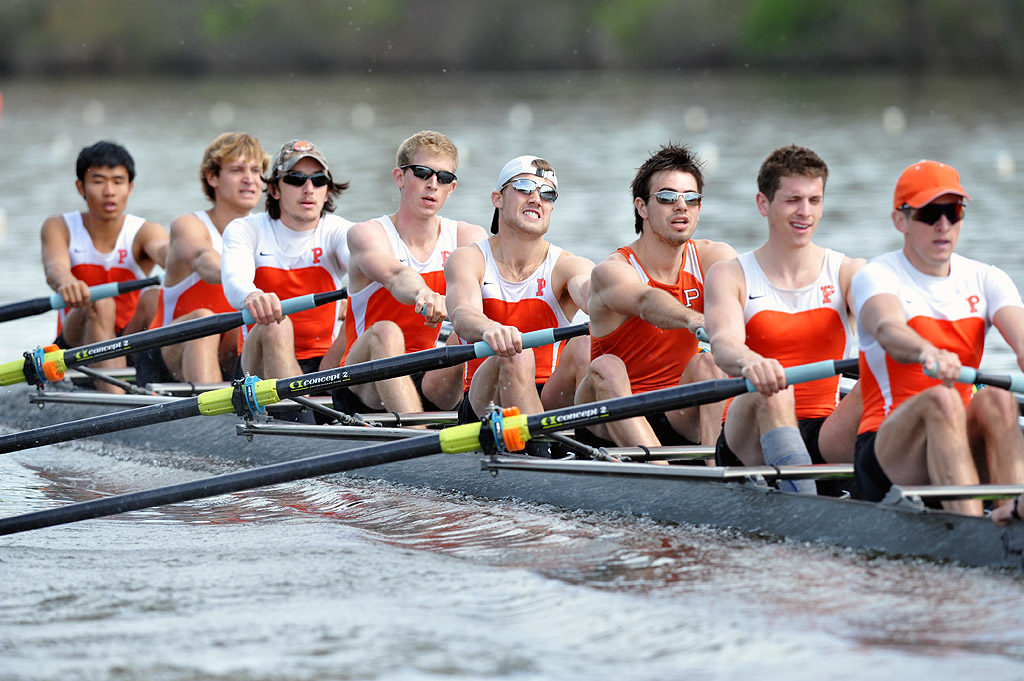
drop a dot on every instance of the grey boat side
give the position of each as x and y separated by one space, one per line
663 493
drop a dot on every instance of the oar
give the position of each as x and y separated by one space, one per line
50 363
27 308
1011 382
253 395
465 438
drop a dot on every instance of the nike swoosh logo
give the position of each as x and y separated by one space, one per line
262 253
488 283
756 297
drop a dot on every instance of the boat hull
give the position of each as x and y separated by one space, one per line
664 493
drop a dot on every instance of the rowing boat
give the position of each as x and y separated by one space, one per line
741 499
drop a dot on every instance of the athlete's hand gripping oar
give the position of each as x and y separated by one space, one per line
50 363
511 431
253 395
28 308
1011 382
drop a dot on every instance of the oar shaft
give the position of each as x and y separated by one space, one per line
12 373
97 425
404 365
28 308
225 484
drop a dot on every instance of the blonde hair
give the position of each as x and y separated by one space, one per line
229 146
429 141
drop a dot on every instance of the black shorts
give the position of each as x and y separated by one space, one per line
348 402
872 482
663 430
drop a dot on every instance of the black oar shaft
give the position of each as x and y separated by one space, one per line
225 484
97 425
399 365
28 308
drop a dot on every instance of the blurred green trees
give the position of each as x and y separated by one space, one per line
242 36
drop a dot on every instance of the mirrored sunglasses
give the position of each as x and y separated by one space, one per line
933 212
424 173
319 179
527 186
668 196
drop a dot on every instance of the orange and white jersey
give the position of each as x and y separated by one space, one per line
797 326
192 293
656 358
373 302
528 305
263 254
952 312
95 268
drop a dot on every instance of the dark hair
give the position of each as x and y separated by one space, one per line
789 161
669 157
104 155
334 190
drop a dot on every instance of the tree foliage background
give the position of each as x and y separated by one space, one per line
265 36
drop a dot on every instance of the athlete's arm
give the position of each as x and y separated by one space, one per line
622 292
571 274
192 251
882 317
372 258
725 288
56 240
1009 320
151 245
464 274
238 274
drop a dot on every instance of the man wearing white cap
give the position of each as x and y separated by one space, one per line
295 248
927 305
512 283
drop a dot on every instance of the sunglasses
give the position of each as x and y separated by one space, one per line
319 179
424 173
667 196
933 212
527 186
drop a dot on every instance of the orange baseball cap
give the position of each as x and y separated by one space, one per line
923 182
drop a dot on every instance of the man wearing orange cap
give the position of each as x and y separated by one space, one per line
927 305
295 248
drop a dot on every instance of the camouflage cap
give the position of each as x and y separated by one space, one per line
294 151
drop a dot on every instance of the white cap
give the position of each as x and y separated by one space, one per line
521 165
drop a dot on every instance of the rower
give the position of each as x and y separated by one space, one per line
927 305
100 245
646 305
295 248
231 175
514 282
786 303
396 281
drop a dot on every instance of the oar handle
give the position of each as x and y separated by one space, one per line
302 303
702 335
536 339
110 289
1011 382
815 371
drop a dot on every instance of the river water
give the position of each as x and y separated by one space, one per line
347 579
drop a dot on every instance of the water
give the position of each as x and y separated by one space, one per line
344 579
